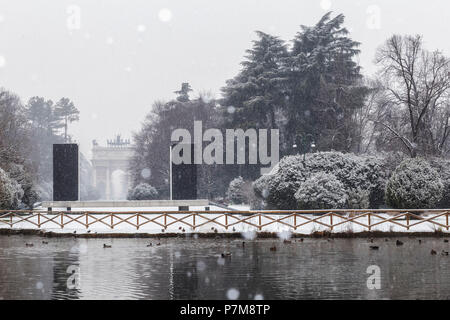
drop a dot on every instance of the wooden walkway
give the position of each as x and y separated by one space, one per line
261 220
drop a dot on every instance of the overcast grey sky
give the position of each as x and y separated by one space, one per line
114 58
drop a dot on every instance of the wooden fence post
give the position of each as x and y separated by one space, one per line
407 221
446 220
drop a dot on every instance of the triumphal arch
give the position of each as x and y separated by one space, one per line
110 165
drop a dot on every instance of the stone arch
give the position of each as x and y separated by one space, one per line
107 160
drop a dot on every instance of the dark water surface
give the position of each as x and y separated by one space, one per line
194 269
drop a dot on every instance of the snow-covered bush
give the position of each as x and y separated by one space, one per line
236 192
22 176
321 191
358 199
354 172
45 191
442 166
414 184
261 186
10 192
142 191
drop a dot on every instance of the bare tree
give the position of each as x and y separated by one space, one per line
366 118
417 82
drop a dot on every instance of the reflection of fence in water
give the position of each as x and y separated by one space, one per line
366 220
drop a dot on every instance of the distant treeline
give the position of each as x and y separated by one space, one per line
27 133
313 90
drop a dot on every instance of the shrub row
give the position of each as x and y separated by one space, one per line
333 180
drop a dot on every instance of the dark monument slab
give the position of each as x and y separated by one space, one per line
184 179
65 172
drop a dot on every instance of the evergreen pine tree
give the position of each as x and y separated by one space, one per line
66 110
323 81
256 94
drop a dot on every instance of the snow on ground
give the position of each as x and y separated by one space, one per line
240 207
204 222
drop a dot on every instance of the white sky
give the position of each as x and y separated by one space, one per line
128 53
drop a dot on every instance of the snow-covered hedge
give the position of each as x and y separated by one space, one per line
414 184
236 193
143 191
22 176
358 199
10 192
321 191
359 175
442 166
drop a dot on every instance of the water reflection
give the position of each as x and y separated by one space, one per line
194 269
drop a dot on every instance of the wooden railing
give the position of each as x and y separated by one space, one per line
260 220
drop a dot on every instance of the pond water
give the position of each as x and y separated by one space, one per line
189 268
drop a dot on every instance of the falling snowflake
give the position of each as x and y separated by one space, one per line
249 235
231 109
146 173
141 28
259 297
284 235
221 261
165 15
232 294
201 266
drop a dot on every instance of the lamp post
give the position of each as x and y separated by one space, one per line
303 144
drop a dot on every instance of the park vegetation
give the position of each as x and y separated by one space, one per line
346 140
